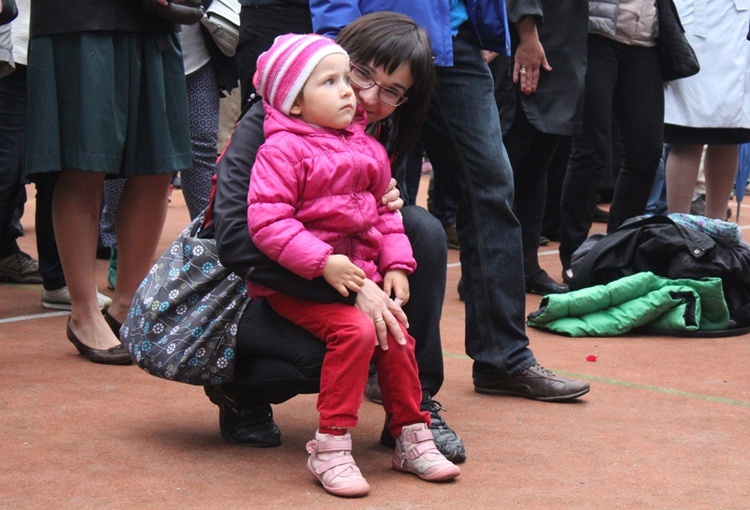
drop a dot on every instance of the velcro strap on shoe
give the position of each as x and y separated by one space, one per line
335 445
419 449
344 460
417 436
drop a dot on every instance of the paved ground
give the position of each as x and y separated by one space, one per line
664 427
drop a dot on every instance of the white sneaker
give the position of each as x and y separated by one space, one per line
60 299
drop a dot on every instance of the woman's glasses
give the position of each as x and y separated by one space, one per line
362 79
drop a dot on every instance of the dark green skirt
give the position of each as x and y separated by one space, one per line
111 102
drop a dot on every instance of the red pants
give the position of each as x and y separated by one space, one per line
350 343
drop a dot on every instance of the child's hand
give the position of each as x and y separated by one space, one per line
396 284
342 274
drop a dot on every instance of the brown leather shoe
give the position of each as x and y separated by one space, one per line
536 383
116 355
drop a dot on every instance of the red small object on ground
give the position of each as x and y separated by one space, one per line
591 357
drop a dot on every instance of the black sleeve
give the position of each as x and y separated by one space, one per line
236 249
519 9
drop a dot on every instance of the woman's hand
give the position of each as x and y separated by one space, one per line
384 312
342 274
530 58
392 198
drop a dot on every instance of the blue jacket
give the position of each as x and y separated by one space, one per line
487 18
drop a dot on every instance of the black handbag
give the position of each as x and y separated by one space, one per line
9 12
183 13
676 57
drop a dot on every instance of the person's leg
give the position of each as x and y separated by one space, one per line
469 157
76 206
681 174
427 289
203 104
530 153
555 177
259 26
49 259
399 383
720 168
15 266
639 111
276 359
350 342
12 134
592 148
140 218
657 198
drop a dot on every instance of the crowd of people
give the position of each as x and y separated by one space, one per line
110 96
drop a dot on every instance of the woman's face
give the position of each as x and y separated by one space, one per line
400 79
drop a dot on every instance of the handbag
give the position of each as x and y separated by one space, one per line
676 57
183 13
222 20
9 12
183 321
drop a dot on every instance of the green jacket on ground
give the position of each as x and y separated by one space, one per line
642 299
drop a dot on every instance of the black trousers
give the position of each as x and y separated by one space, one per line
259 26
277 360
13 100
623 86
531 153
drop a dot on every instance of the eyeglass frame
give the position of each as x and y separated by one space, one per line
404 98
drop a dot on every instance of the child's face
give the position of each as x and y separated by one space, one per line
327 99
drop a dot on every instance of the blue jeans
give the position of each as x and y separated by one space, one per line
463 140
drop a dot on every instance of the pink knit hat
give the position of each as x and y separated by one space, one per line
283 70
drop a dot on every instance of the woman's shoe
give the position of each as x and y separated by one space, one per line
542 283
116 355
113 323
417 454
331 462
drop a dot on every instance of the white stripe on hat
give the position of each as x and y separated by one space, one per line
306 71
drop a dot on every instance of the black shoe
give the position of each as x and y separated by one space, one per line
542 284
117 355
600 215
372 390
447 441
243 422
19 267
543 240
452 235
460 289
536 383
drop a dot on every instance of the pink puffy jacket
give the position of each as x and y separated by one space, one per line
317 191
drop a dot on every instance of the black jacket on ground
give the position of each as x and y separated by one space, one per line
659 245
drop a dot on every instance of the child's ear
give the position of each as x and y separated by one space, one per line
296 109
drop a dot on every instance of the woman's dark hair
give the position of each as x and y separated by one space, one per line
386 39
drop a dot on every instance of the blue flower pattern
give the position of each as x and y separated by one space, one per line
181 328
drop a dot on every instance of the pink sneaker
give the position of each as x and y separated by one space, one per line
331 462
416 453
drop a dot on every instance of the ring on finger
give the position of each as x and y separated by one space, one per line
522 70
379 319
